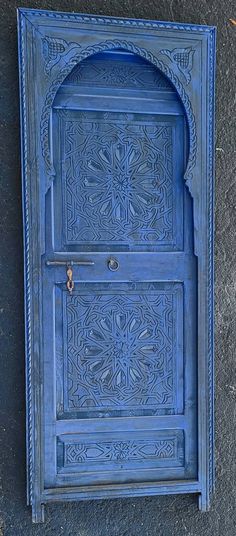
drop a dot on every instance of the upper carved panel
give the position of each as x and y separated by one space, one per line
119 180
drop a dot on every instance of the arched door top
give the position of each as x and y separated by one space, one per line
143 53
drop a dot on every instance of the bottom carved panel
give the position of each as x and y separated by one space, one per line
151 449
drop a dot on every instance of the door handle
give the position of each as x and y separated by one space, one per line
113 264
69 270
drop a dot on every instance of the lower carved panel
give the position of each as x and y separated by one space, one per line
122 350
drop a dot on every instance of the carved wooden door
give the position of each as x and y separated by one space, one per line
116 262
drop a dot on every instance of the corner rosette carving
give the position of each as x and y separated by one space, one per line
54 49
183 58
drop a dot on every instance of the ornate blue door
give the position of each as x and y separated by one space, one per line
120 346
117 120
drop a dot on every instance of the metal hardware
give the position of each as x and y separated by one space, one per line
69 263
69 272
70 283
113 264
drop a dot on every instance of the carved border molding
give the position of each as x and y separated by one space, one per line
28 268
112 21
147 55
210 294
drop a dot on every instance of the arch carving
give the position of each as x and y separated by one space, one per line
84 53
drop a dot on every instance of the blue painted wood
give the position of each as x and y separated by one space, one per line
117 163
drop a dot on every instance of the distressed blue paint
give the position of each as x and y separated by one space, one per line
118 137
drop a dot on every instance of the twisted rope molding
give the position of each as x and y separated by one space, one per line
147 55
27 271
116 21
210 266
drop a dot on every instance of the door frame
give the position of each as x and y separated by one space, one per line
41 74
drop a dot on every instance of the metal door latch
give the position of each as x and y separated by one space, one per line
70 283
69 270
